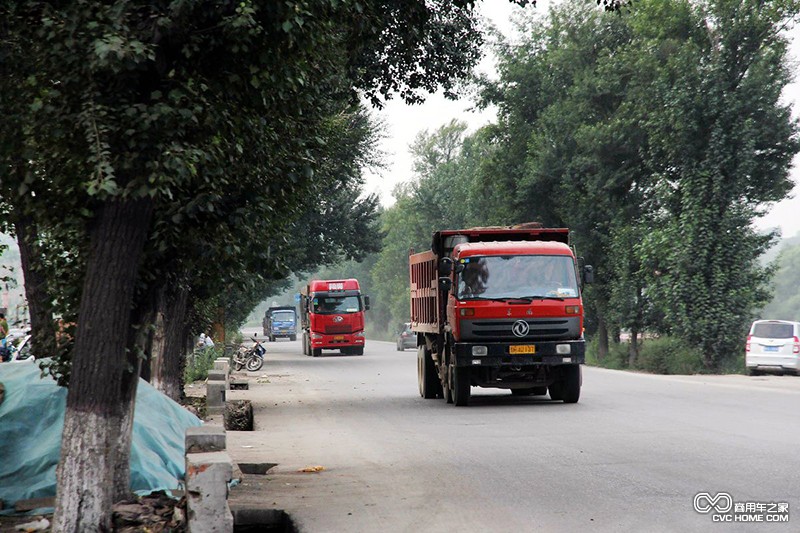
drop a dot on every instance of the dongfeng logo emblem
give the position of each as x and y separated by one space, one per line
337 319
520 328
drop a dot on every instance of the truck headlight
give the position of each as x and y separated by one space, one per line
316 336
563 349
480 350
359 334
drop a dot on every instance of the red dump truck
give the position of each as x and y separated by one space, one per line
499 307
332 316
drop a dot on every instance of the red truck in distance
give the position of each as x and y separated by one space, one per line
499 307
332 316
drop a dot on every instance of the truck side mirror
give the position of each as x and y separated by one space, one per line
459 268
445 284
445 266
366 303
588 274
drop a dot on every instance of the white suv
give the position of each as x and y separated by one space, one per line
773 345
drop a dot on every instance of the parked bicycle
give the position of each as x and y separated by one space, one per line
250 358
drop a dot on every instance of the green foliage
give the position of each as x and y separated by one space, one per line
200 361
661 355
785 304
615 359
655 136
669 355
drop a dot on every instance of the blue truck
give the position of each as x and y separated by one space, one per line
280 322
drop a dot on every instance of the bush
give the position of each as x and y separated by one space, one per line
199 362
616 359
663 355
669 355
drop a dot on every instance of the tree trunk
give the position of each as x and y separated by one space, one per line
43 339
138 347
633 348
168 348
602 339
102 378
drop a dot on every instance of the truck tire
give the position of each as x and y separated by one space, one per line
293 338
461 386
447 386
571 385
556 391
358 351
305 344
316 352
272 338
427 378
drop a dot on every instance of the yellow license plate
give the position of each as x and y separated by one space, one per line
338 337
514 350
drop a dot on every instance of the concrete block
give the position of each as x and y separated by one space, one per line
222 363
205 439
219 375
215 394
207 477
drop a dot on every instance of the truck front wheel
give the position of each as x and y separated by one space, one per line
316 352
571 386
461 385
427 378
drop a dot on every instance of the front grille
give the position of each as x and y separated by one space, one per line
344 328
539 328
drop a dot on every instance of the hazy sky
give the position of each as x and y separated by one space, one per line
403 122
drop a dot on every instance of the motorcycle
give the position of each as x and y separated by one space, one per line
250 358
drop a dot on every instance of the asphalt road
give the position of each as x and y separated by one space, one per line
631 456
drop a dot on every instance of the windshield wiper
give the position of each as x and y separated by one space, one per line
485 298
538 297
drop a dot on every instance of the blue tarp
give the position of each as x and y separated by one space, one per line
32 419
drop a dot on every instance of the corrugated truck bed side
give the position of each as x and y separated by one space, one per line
424 292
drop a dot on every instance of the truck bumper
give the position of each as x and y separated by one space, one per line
498 353
334 342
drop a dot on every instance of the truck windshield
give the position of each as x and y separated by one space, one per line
329 305
517 276
283 316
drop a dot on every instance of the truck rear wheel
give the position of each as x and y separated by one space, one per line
447 386
427 378
461 385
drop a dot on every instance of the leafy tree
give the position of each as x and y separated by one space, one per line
656 136
721 143
785 304
156 124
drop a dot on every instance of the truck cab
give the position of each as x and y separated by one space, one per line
499 308
332 315
280 322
